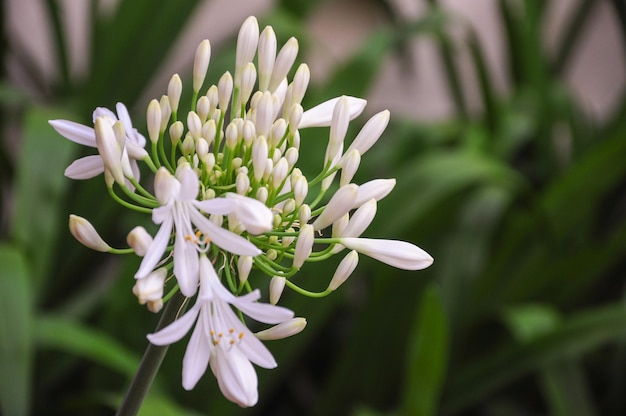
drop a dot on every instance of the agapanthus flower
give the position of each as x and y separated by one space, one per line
91 166
232 209
221 340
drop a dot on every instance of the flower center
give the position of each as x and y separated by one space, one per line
228 338
201 242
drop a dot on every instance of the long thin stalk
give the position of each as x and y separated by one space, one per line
150 363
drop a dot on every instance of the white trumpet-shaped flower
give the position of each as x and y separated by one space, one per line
221 340
181 212
90 166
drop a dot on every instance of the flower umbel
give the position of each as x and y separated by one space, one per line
231 208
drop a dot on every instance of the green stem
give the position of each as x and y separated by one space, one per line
150 363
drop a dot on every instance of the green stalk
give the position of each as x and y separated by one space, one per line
150 362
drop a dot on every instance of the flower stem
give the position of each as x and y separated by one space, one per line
150 362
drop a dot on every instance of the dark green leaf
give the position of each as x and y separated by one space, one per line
16 320
428 356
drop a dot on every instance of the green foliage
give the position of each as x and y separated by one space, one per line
521 204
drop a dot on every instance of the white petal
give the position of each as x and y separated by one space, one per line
255 216
185 263
156 249
176 330
262 312
235 376
135 151
219 206
197 354
189 183
76 132
251 346
321 115
223 238
395 253
85 168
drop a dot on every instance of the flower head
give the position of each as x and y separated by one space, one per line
231 208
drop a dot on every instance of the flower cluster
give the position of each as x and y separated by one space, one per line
228 199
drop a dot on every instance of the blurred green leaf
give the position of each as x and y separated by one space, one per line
428 356
527 322
566 390
440 175
153 29
59 333
575 336
40 190
16 321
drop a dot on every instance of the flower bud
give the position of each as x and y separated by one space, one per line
224 90
282 330
248 78
242 183
165 186
201 64
259 157
284 60
279 173
341 203
360 220
376 189
350 165
266 57
194 124
166 112
288 239
174 91
247 42
176 132
244 266
139 240
262 194
150 288
344 270
203 108
154 120
86 234
109 149
399 254
277 285
304 245
370 133
300 83
304 214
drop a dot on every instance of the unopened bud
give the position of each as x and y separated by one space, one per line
86 234
344 270
139 240
283 330
277 285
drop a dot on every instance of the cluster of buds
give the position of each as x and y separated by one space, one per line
231 204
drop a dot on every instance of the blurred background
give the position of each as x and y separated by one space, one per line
508 142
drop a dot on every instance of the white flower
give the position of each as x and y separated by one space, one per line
181 211
395 253
90 166
221 339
